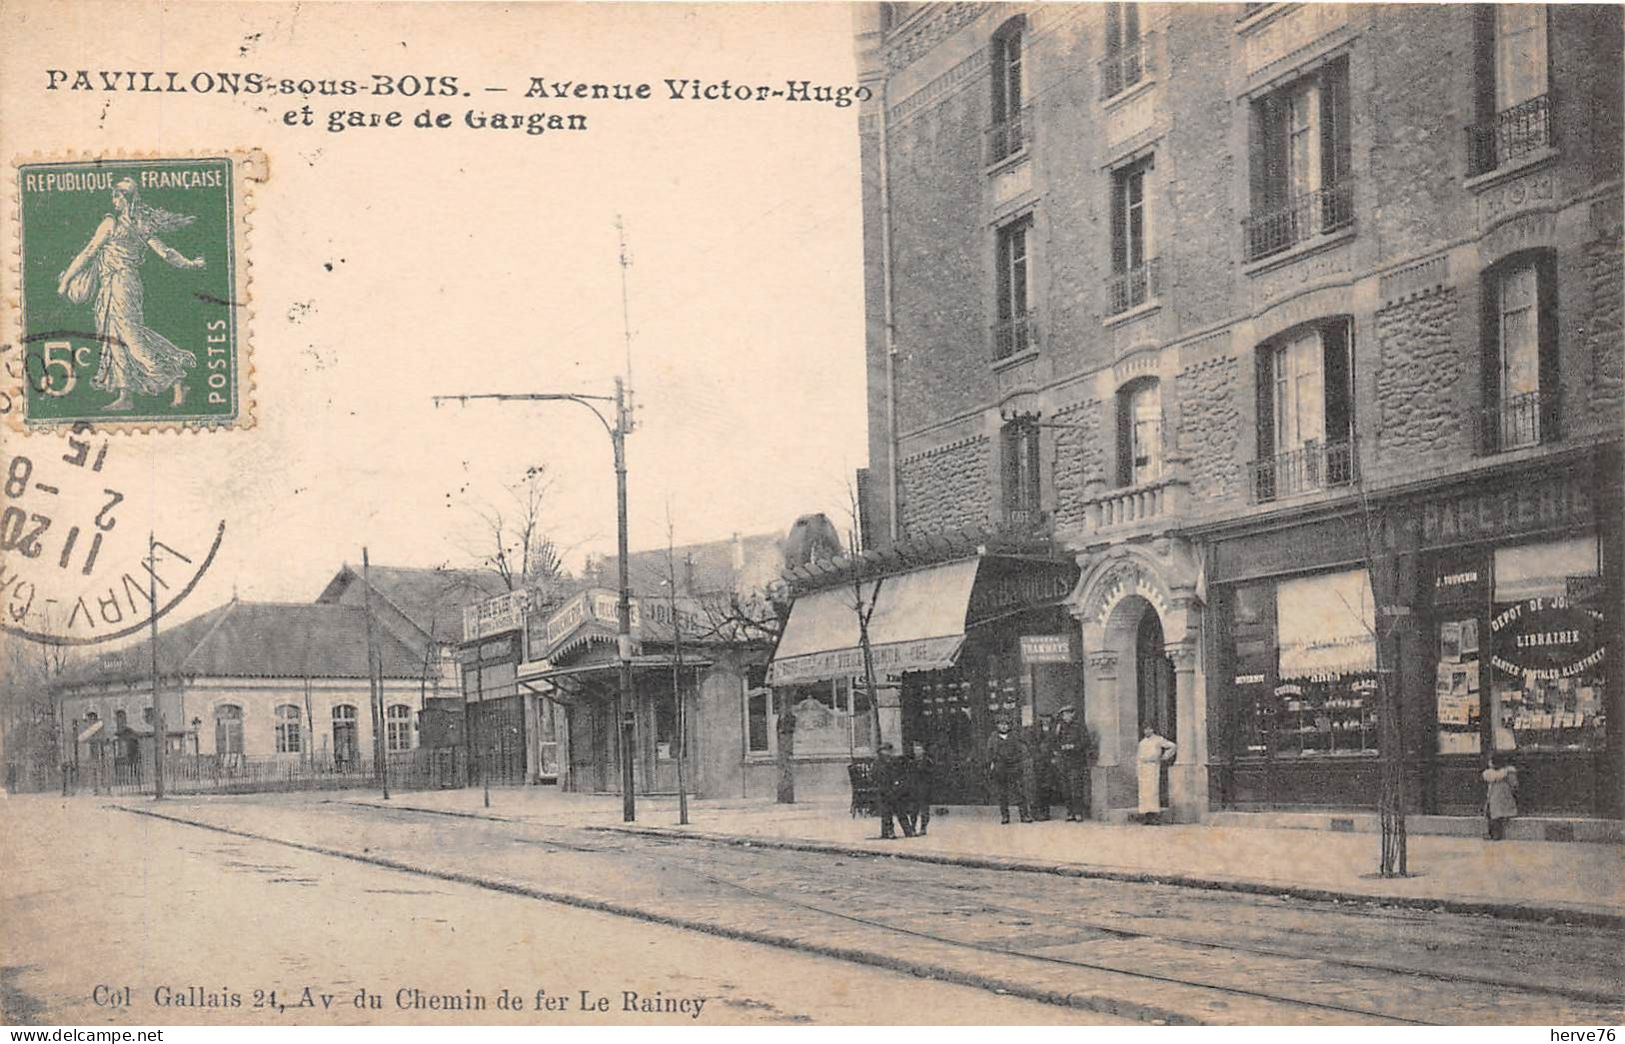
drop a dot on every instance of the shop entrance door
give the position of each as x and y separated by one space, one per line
1154 678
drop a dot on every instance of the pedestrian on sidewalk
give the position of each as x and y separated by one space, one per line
888 788
920 770
1005 754
1501 796
1072 750
1150 755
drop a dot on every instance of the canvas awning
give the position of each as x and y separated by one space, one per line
918 624
566 683
1324 625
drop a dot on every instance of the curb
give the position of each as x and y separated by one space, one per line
1502 911
919 969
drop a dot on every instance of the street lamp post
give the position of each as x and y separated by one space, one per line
625 728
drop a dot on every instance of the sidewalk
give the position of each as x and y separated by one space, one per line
1526 880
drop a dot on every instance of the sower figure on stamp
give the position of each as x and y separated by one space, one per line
134 358
1072 751
1151 753
1005 754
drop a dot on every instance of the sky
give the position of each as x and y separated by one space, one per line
391 265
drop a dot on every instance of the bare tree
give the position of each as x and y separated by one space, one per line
513 540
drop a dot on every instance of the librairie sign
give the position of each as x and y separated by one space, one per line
1546 638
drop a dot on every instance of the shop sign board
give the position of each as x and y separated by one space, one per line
1546 638
504 612
594 606
1004 587
1045 648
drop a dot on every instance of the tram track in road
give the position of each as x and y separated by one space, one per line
917 884
1189 980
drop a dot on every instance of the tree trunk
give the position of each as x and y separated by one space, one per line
787 750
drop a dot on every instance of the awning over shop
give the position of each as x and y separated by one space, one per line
918 624
1325 625
565 683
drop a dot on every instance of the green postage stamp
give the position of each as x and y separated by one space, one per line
134 292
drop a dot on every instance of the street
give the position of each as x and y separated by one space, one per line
425 911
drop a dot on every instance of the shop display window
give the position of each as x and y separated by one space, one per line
1548 643
1458 685
1326 715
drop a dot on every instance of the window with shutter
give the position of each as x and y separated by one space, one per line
1520 353
1305 411
1300 162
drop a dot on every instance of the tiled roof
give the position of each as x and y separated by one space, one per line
718 565
432 599
260 640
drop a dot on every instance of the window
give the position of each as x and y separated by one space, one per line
1006 135
346 744
1548 640
288 736
398 727
1012 332
1021 492
1139 432
1520 353
146 715
121 721
1305 411
758 721
1512 111
1124 64
1134 269
228 729
1299 162
832 717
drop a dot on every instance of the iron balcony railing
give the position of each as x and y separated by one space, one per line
1012 337
1524 420
1009 136
1135 286
1122 69
1316 213
1513 133
1310 467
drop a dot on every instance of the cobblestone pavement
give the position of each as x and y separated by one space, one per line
185 919
1153 952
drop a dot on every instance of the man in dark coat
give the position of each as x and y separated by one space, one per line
1072 750
888 788
1005 755
918 773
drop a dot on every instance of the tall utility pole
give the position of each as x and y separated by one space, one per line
157 705
617 431
375 681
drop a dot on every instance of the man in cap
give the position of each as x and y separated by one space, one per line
1072 751
888 781
918 771
1005 754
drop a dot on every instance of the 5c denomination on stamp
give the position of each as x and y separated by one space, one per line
108 336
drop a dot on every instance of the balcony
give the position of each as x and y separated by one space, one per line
1009 137
1015 336
1122 69
1316 213
1134 287
1304 470
1526 420
1514 133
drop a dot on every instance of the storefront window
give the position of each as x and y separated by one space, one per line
1326 647
1547 640
758 729
832 717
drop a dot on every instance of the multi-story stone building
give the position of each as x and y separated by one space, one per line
1296 328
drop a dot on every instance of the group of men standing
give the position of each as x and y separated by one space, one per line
1025 768
903 791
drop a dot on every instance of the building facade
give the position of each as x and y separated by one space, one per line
1296 328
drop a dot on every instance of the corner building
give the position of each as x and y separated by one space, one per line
1295 329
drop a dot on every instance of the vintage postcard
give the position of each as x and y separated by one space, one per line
701 514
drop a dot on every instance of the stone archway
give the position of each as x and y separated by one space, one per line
1131 599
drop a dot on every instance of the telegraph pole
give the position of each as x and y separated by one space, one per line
157 705
375 682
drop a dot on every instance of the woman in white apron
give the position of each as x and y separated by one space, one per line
1150 755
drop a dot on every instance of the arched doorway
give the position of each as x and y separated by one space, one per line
1154 683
